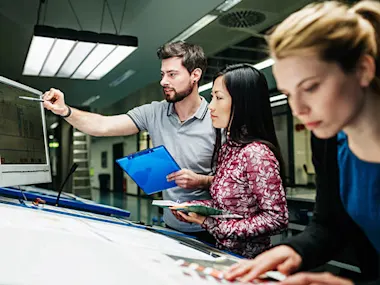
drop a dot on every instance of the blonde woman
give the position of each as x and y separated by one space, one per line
327 62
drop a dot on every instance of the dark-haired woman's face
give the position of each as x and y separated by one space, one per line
220 105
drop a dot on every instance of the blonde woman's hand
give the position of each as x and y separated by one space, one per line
306 278
282 258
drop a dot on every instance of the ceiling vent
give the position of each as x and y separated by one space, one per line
242 19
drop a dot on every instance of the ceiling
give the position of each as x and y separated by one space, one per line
154 22
238 36
235 36
224 45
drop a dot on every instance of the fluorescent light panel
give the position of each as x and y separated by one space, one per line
277 97
264 64
54 125
227 5
203 22
205 87
97 55
38 51
76 57
122 78
57 55
79 134
90 100
279 103
113 59
261 65
75 54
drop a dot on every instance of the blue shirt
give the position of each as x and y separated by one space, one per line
360 190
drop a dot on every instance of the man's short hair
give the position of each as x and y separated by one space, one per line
192 55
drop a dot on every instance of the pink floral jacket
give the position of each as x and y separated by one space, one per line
247 182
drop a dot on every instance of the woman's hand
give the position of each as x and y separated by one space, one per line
306 278
189 218
282 258
178 216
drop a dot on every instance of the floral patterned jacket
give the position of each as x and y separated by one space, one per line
247 182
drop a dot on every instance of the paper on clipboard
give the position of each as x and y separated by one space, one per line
149 168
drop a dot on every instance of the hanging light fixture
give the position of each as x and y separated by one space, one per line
67 53
58 52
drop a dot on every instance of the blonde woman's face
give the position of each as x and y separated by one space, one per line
320 94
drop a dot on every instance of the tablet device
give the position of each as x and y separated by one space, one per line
148 168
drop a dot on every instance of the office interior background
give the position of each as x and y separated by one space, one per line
231 31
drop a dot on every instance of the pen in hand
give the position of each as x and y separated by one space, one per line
31 99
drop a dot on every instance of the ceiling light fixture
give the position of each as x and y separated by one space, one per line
122 78
227 5
264 64
90 100
54 125
205 87
203 22
277 97
279 103
261 65
67 53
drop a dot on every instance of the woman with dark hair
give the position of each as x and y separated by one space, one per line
248 166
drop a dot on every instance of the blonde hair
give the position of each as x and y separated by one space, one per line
336 32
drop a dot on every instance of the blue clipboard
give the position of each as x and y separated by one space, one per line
148 168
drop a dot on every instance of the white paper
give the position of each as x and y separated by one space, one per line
164 203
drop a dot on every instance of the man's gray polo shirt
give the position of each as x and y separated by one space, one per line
190 143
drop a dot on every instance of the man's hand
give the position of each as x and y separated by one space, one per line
55 102
187 179
282 258
315 279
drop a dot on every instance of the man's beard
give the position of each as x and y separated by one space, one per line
179 96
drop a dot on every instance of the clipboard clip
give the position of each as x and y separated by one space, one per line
142 152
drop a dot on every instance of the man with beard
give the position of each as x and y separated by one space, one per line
181 123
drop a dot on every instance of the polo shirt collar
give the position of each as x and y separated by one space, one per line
199 114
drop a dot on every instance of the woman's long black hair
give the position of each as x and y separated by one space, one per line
251 114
